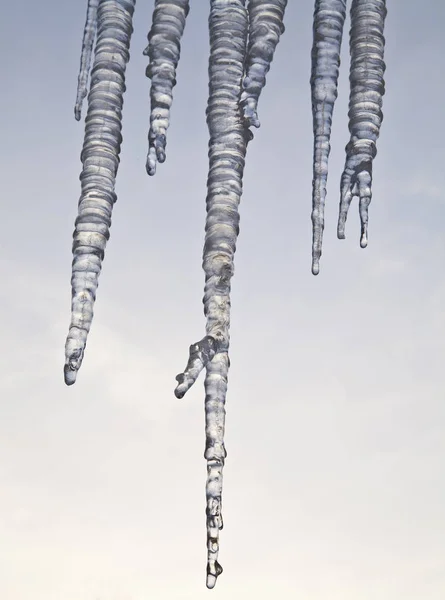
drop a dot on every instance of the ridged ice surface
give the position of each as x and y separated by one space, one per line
100 159
228 25
365 109
163 50
329 18
265 27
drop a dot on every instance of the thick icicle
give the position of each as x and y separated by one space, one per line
329 18
228 25
100 158
367 46
265 27
89 34
164 50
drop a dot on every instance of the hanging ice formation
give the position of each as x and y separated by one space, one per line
243 40
164 47
365 104
239 38
100 159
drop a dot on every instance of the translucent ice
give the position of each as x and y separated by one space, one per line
89 34
100 159
365 109
329 18
163 49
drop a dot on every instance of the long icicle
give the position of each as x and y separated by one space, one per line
329 18
100 158
265 28
367 45
164 50
228 24
89 34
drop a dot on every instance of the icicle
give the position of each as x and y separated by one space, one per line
100 158
215 454
265 27
89 34
365 109
228 25
164 50
329 18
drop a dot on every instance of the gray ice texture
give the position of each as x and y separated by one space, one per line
265 28
365 107
100 159
367 46
329 18
163 49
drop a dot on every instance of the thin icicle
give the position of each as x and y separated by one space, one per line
329 18
163 50
100 158
89 34
215 454
265 27
228 25
367 45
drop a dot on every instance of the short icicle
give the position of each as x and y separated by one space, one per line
265 28
329 18
228 24
100 159
89 35
367 45
163 49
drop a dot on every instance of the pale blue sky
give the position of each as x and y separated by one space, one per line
333 485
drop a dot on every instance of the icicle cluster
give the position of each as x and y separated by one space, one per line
265 27
100 159
365 104
163 50
365 108
242 45
329 18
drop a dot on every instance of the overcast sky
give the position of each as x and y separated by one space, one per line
334 482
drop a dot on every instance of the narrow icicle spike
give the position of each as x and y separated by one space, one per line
329 18
89 34
100 158
228 24
163 49
215 454
367 45
265 28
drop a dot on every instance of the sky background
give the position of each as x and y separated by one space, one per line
334 482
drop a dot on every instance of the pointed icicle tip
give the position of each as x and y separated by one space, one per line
73 361
213 574
315 267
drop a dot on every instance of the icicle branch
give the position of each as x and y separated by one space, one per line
100 158
228 24
164 51
329 18
365 109
89 34
265 27
200 354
